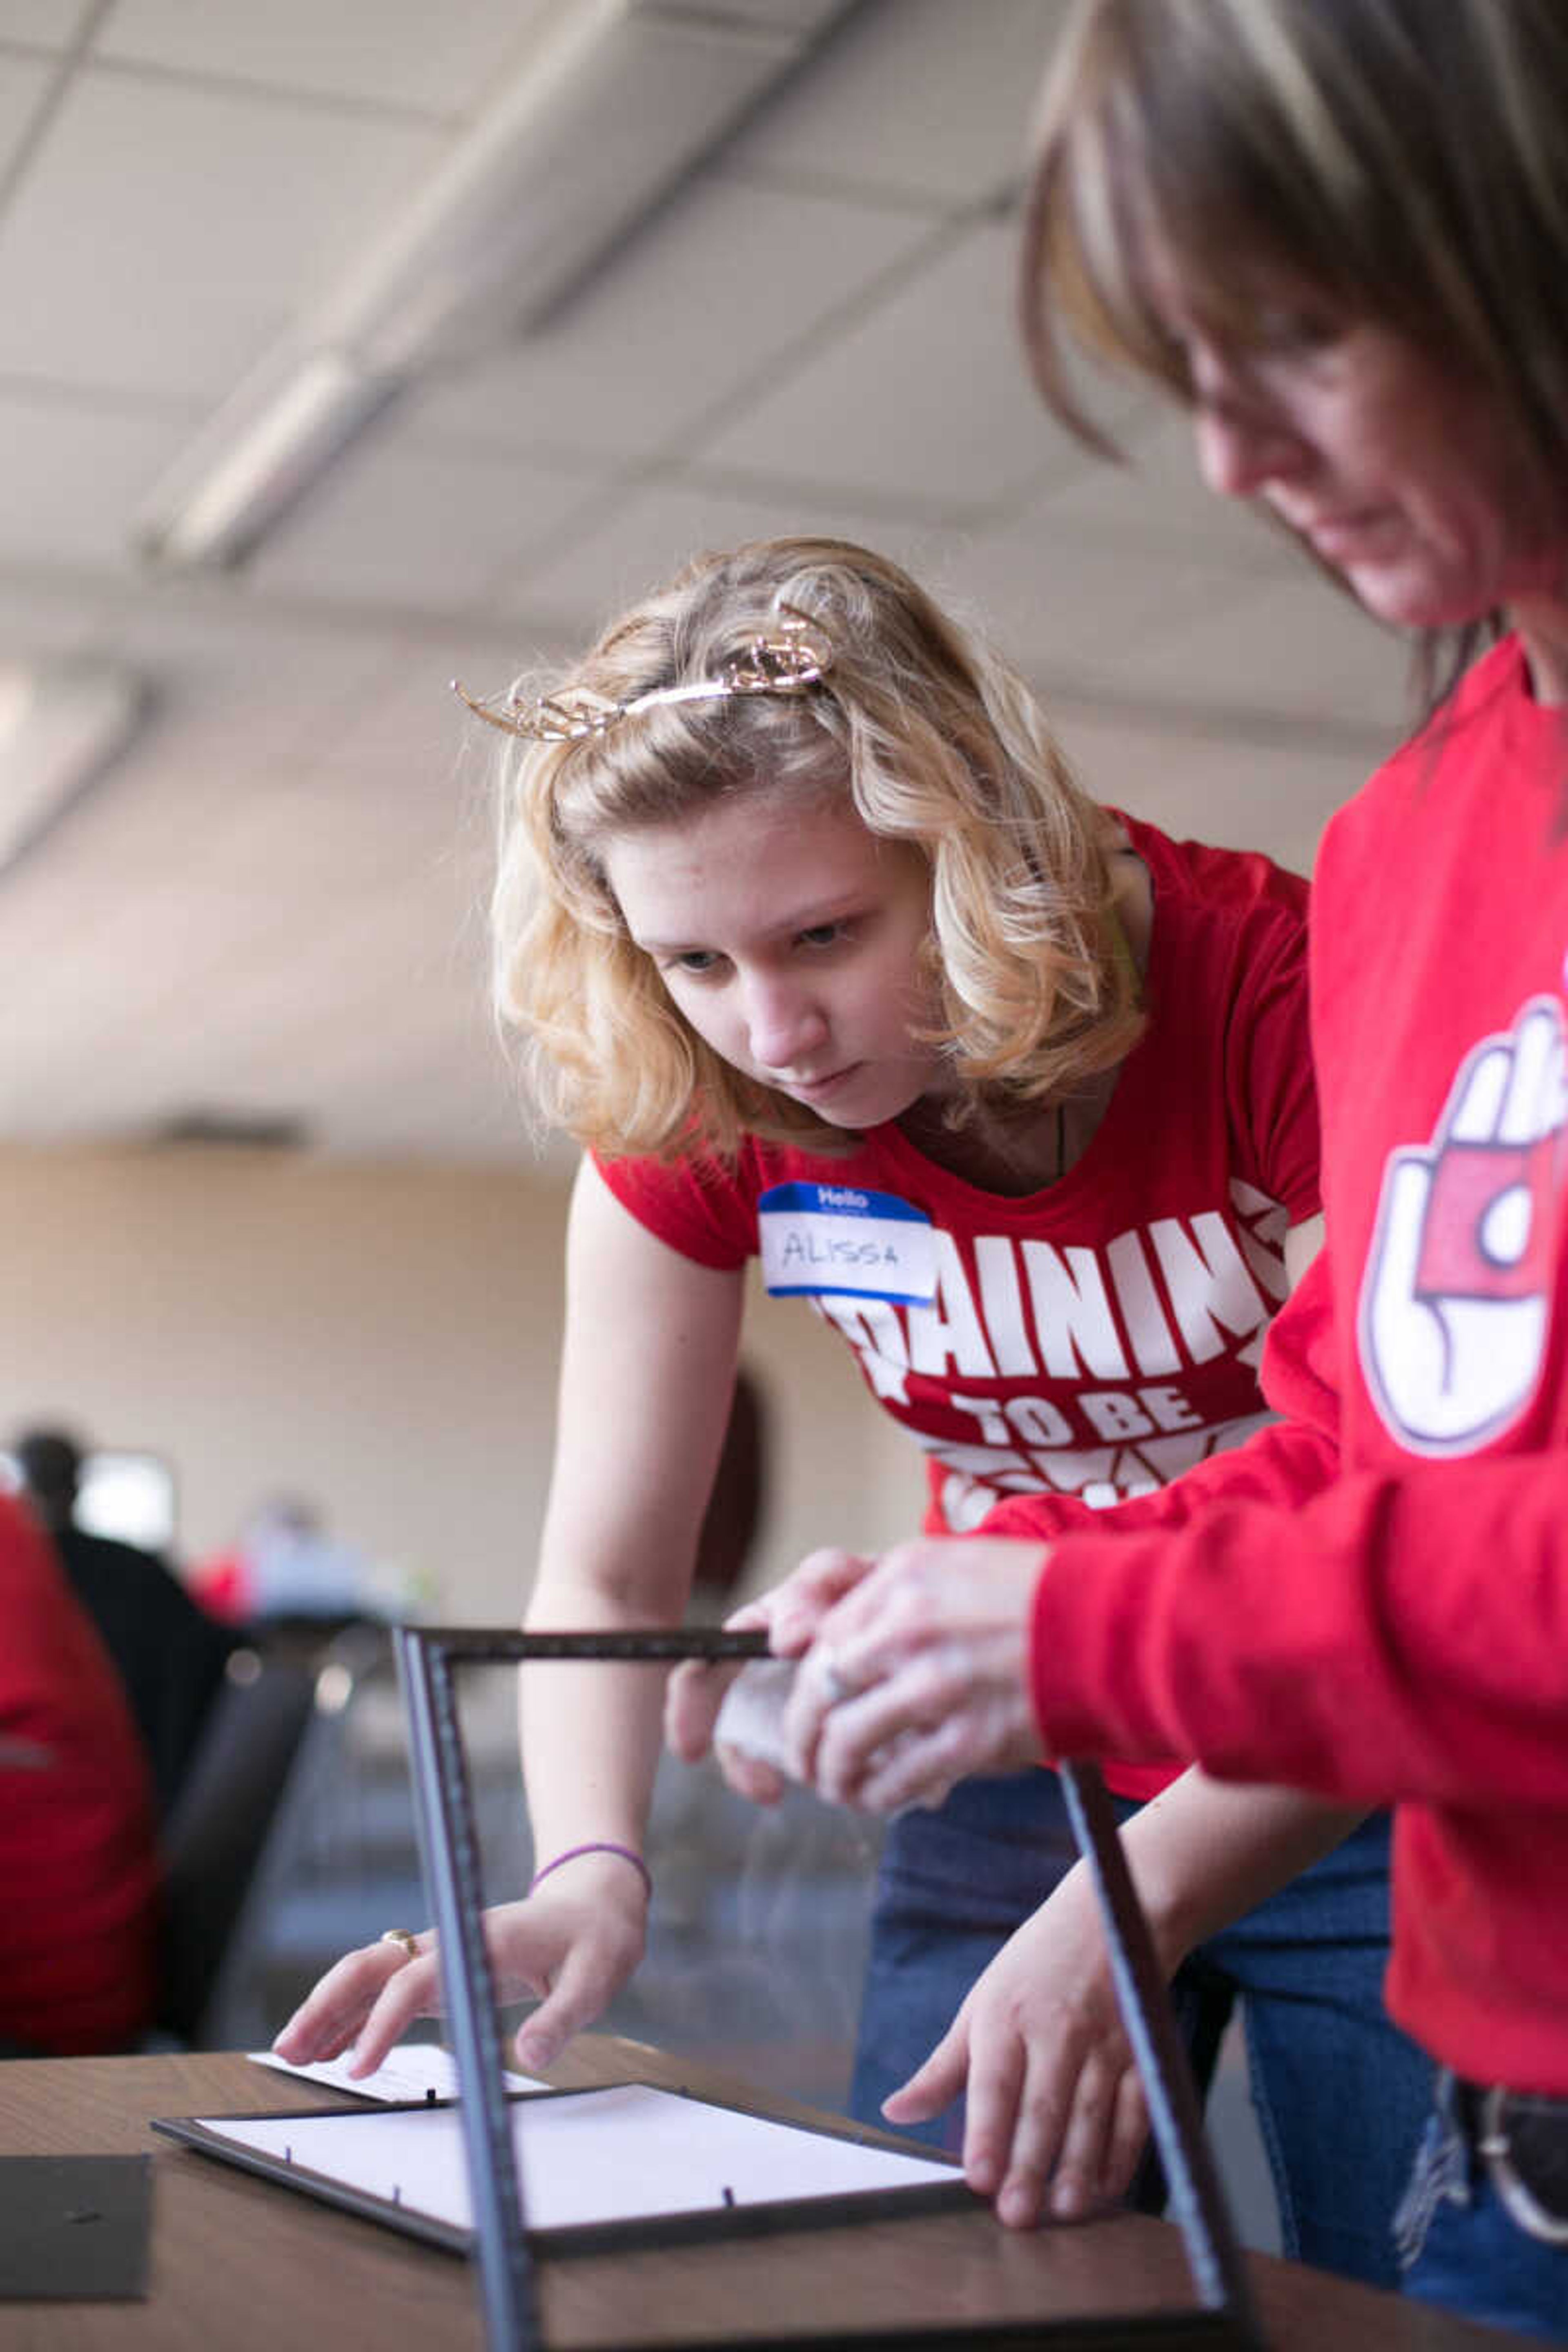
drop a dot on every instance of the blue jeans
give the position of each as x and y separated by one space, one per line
1459 2248
1340 2094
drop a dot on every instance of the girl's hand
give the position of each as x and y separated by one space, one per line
917 1675
693 1698
696 1691
1055 2104
572 1946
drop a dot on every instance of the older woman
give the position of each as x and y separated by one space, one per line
1338 230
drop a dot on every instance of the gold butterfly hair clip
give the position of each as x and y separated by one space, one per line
786 663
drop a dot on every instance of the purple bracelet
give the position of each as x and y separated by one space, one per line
597 1845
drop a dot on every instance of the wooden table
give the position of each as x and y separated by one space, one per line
241 2265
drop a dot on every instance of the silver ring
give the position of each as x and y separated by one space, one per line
834 1681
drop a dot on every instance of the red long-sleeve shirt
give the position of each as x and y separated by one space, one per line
1371 1599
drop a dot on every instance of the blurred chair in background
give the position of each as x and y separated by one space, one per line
271 1775
168 1653
219 1829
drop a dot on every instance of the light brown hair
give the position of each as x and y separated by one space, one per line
1407 159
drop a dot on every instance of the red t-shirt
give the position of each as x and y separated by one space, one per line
1371 1600
78 1860
1092 1340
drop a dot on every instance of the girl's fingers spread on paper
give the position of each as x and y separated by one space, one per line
413 1991
333 2013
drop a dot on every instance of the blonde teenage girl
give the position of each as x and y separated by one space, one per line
819 952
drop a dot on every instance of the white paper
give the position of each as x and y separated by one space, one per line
625 2154
411 2071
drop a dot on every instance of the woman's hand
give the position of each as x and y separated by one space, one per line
571 1946
1054 2099
916 1668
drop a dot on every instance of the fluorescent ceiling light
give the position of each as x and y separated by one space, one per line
320 403
61 725
616 105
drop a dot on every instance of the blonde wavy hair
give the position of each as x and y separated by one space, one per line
935 742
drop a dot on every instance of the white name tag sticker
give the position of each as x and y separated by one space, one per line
818 1237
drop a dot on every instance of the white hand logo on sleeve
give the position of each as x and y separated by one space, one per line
1454 1300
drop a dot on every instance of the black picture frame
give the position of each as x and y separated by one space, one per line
708 2224
427 1657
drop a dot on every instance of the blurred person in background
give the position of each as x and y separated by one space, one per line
285 1569
77 1856
169 1653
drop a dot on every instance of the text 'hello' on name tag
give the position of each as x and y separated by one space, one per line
816 1237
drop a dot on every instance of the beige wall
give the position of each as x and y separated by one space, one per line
382 1339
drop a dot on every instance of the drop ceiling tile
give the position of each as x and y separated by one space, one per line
240 706
1060 611
75 474
913 97
1296 647
1240 792
718 287
218 634
386 52
23 81
50 615
43 24
652 533
406 745
923 396
1157 498
305 1016
797 18
405 526
277 898
164 234
404 741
